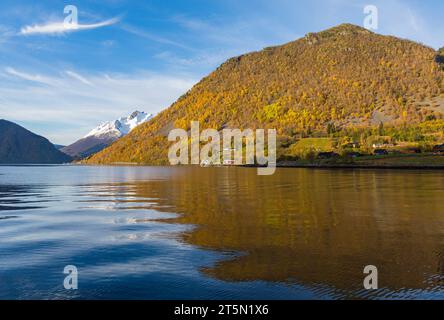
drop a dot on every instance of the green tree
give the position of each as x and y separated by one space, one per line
381 129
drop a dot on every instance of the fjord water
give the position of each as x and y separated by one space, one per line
220 233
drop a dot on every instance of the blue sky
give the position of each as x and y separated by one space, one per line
128 55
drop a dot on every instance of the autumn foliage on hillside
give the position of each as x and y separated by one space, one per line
345 77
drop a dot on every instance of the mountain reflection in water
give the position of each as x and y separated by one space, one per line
311 228
318 227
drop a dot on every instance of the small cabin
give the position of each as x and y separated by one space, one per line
229 162
352 145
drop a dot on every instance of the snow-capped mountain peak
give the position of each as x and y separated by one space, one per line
120 127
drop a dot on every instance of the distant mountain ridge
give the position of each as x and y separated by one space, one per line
105 134
20 146
342 78
59 146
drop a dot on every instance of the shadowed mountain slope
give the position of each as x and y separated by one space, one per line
20 146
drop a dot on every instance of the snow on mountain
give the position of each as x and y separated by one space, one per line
120 127
105 134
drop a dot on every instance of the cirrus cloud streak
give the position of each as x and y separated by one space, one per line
58 28
65 106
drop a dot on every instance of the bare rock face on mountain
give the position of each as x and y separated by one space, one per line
341 77
20 146
105 134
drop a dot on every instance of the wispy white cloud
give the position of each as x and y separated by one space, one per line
409 22
5 33
241 33
70 104
198 60
405 19
214 40
29 77
77 76
57 28
153 37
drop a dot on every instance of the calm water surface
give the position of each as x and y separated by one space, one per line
220 233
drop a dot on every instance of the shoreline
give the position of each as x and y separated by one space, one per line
427 161
278 166
398 162
351 166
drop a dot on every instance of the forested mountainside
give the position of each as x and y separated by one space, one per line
345 80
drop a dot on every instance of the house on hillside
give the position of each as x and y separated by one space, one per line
229 162
352 145
383 145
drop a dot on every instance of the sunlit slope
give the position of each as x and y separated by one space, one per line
345 76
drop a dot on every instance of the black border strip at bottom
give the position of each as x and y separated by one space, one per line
222 309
